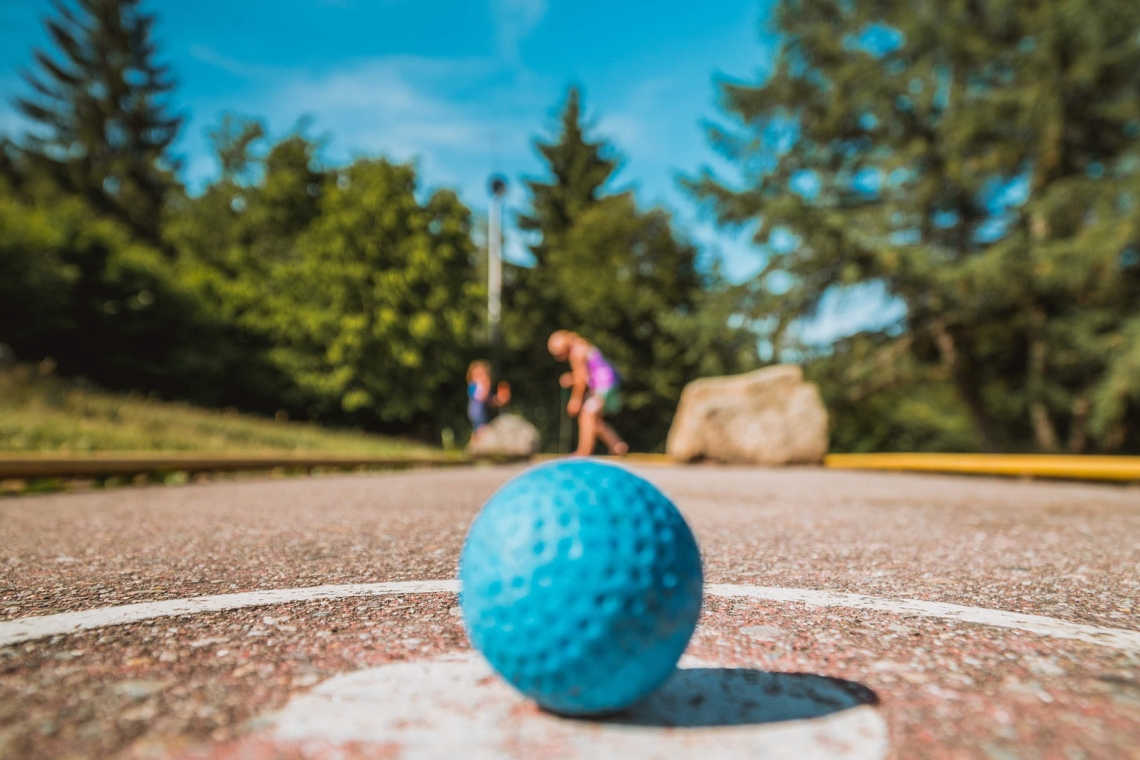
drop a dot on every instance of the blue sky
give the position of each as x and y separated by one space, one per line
463 87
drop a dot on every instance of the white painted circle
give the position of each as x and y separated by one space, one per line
455 707
64 623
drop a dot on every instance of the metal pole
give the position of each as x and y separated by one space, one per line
564 431
498 188
495 271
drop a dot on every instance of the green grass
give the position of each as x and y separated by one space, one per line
41 412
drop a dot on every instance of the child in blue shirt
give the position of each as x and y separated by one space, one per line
479 397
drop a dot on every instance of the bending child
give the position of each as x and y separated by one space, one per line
594 391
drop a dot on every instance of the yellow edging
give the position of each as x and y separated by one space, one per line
1017 465
107 464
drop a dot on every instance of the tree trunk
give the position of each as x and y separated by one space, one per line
1078 436
1044 433
965 383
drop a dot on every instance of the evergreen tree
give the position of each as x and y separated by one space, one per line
882 143
9 172
102 127
579 169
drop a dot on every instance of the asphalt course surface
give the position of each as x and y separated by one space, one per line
222 683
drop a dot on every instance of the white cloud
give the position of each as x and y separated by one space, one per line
459 118
401 106
739 257
848 310
208 55
514 21
638 121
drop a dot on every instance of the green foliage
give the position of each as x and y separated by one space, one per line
41 412
81 289
880 398
1027 310
103 131
233 140
36 281
621 278
360 295
373 316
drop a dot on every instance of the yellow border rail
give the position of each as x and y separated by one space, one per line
1016 465
27 466
21 466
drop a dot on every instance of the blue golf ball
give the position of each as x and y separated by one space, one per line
581 585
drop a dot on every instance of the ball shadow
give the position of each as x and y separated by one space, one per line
705 697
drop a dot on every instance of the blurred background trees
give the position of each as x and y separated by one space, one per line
102 130
362 299
978 162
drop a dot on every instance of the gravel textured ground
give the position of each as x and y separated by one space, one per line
193 686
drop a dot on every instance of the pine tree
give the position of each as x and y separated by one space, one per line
880 143
103 129
579 169
9 172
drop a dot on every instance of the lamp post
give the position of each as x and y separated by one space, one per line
497 185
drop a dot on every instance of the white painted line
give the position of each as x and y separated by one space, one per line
456 707
27 629
1114 638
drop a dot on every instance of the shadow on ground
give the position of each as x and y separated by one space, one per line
705 697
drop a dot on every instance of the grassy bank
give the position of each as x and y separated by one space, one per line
41 412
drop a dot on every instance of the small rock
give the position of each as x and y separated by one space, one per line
762 632
1041 666
143 712
138 689
305 679
506 435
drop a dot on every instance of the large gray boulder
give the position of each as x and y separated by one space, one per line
770 416
506 435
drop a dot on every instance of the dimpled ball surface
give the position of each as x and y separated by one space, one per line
581 585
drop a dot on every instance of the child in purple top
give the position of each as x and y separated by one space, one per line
594 392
